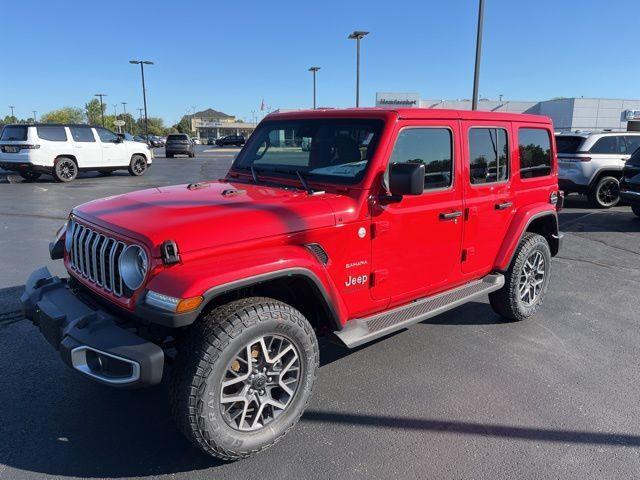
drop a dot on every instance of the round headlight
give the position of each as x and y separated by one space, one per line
133 266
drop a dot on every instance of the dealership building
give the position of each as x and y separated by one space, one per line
566 113
211 123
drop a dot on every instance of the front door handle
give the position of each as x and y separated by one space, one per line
504 205
450 215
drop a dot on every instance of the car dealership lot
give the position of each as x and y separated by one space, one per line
462 395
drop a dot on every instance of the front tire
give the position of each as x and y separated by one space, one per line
635 208
137 166
65 169
605 193
243 376
526 279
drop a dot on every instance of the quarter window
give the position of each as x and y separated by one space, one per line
52 133
488 155
432 147
82 134
535 152
107 136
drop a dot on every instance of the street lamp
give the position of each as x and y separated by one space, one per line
35 119
13 117
476 73
357 35
314 70
142 63
101 95
124 109
140 110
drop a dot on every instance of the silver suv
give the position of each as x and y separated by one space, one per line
591 163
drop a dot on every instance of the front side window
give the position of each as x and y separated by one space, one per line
106 136
535 152
431 146
609 145
14 133
82 134
332 150
52 133
488 155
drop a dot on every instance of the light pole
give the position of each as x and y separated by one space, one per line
140 110
115 116
476 73
35 119
142 63
124 109
13 117
101 95
314 70
357 35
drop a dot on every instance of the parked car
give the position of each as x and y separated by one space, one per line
179 144
65 150
237 140
195 140
591 163
382 224
630 182
211 141
138 138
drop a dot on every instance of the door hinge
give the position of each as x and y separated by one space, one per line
379 276
378 228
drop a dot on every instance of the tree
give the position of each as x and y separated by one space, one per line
93 112
156 126
183 126
64 115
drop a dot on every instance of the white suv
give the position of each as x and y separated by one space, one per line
592 163
64 150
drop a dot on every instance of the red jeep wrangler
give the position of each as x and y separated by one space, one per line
348 223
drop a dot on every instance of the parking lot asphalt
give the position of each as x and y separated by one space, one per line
462 395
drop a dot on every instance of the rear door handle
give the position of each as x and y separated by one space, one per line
504 205
450 215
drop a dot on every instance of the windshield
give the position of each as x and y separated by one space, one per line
331 150
568 143
14 133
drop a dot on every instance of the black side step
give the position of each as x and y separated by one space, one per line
363 330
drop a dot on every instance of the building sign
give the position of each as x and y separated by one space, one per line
631 115
397 100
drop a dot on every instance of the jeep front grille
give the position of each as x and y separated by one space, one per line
95 256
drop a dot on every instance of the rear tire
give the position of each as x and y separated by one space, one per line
30 176
169 155
605 193
65 169
137 166
231 344
636 209
526 279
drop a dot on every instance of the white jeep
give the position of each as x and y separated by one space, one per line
65 150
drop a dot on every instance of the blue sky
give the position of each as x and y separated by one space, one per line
230 55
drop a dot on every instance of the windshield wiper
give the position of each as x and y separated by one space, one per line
254 175
304 182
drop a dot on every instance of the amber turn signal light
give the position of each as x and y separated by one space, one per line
188 304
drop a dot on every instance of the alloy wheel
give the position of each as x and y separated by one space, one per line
66 169
609 193
139 166
260 382
532 278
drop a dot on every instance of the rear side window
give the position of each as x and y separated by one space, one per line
535 152
52 133
488 154
568 143
14 133
609 145
431 146
82 134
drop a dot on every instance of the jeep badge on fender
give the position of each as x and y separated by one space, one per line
354 223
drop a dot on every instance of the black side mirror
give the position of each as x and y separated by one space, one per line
118 139
406 178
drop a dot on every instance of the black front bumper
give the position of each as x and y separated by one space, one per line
630 196
89 339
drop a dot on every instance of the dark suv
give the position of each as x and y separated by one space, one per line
177 144
630 182
237 140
